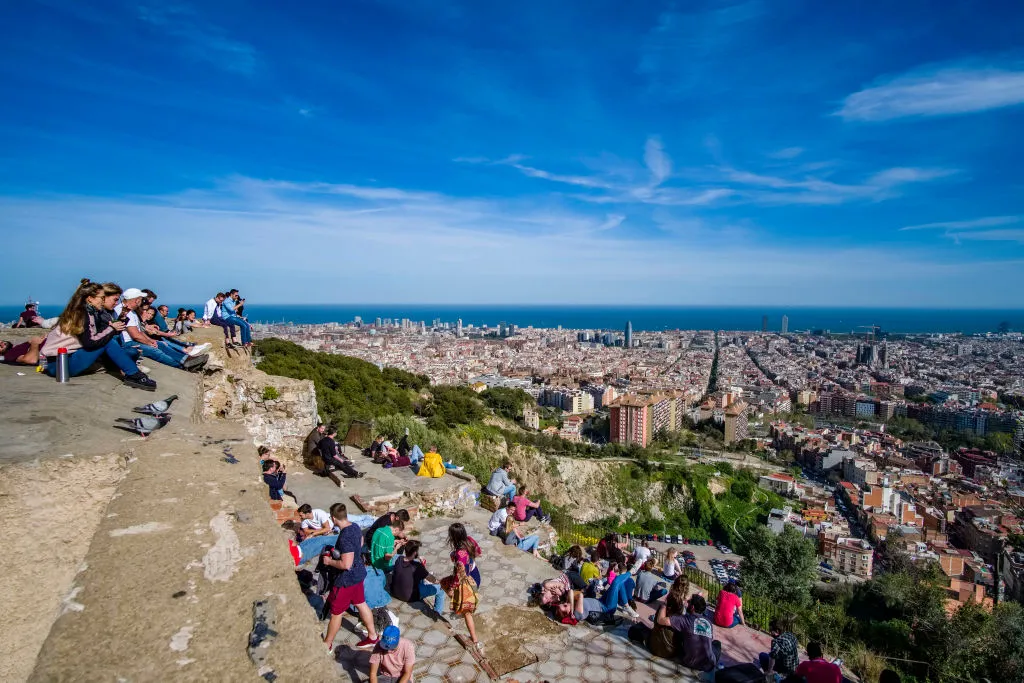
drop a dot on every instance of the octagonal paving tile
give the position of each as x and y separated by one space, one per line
551 669
599 646
462 673
620 664
430 679
435 637
575 656
594 673
571 674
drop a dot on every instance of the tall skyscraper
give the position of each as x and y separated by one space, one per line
764 323
458 327
785 324
629 334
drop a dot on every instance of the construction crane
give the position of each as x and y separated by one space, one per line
874 330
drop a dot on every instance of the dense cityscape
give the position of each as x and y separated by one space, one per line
875 435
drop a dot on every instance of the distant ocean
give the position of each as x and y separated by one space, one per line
644 318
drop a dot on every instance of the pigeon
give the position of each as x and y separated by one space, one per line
157 407
143 425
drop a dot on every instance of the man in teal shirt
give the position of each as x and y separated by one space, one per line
383 545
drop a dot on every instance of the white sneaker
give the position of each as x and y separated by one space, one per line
198 350
632 613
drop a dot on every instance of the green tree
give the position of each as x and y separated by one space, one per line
507 402
1000 442
779 568
742 489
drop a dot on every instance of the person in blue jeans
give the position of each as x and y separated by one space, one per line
619 594
228 314
513 536
500 483
89 335
411 581
135 339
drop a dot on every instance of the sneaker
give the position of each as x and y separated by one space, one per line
630 612
194 362
198 350
367 643
139 381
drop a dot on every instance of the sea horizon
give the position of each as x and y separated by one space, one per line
644 318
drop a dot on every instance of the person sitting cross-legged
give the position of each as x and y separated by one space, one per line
411 581
332 455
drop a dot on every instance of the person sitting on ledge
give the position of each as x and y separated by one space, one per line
161 351
729 611
333 457
85 332
500 484
527 509
25 353
412 582
432 466
29 317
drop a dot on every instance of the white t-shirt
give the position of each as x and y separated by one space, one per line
641 554
318 520
497 520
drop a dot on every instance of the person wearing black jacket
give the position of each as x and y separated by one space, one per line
309 449
332 456
84 324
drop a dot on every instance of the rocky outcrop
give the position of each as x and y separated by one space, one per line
277 411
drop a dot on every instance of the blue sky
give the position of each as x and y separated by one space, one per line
719 152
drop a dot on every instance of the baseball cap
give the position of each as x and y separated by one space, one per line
389 639
132 293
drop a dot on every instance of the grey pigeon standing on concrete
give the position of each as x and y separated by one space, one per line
157 407
143 425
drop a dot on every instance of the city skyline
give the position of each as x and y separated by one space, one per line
394 152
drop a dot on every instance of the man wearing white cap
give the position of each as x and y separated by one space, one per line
133 336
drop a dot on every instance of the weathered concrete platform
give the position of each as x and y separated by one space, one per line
166 542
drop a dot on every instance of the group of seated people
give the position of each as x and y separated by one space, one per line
30 317
321 443
103 323
507 522
429 464
594 587
227 310
365 562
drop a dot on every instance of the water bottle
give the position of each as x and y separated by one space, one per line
41 367
63 371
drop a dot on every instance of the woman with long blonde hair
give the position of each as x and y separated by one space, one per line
88 332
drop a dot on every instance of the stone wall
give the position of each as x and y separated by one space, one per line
277 411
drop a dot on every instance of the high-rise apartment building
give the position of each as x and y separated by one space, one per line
629 334
785 324
630 420
458 327
736 422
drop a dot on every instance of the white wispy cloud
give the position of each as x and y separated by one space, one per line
199 39
972 224
657 161
787 153
936 92
325 241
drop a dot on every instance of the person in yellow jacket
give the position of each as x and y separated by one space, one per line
432 465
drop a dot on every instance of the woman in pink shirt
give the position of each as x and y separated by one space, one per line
729 611
527 509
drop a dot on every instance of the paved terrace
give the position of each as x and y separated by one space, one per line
520 643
